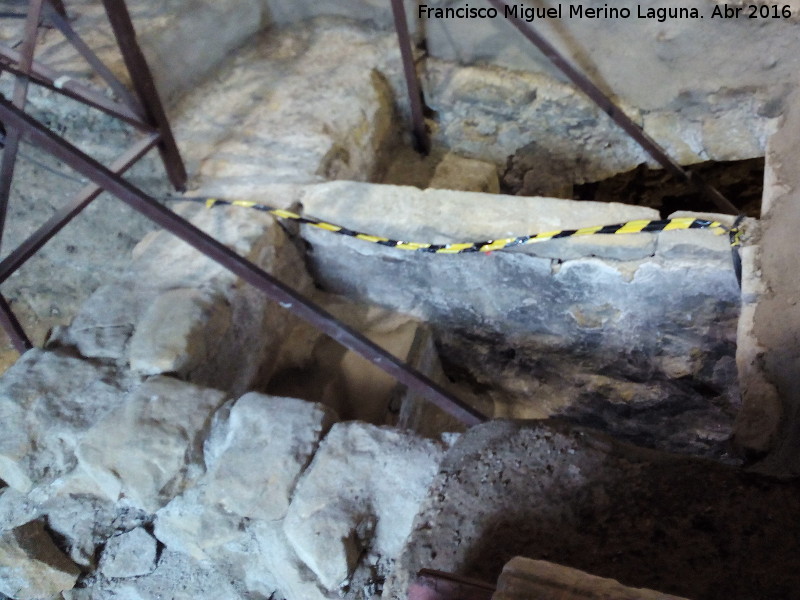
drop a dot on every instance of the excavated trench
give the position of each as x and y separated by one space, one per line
631 339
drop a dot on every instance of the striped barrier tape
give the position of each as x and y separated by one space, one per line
486 246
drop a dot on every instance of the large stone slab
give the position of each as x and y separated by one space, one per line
548 491
261 443
146 450
31 566
610 331
361 492
48 401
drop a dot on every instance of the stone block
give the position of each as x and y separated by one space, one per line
467 174
256 450
546 489
130 554
361 491
147 449
48 401
523 578
31 566
178 332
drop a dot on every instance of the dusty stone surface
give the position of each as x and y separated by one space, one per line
177 576
177 311
546 136
550 492
149 447
458 173
288 131
31 566
48 401
627 333
360 493
129 554
242 449
771 347
524 578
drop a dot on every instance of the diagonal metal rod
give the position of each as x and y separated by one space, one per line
145 88
612 110
9 322
88 54
301 307
45 77
422 142
65 214
19 97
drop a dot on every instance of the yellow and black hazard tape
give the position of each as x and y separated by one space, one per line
486 246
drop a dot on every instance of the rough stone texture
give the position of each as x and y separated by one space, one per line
361 492
458 173
48 401
546 135
289 132
631 333
177 311
177 576
523 578
261 443
255 451
681 525
146 449
771 348
31 566
130 554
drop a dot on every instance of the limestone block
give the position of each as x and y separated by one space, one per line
289 133
442 216
251 551
48 401
148 448
467 174
523 578
177 311
275 556
362 490
177 576
256 450
129 554
31 566
191 525
179 332
82 521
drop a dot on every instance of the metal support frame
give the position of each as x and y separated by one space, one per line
135 111
154 121
36 134
422 141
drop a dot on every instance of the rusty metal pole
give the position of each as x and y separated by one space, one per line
612 110
19 97
9 322
422 141
145 89
298 305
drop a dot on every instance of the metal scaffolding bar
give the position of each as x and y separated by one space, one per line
65 214
300 306
617 115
